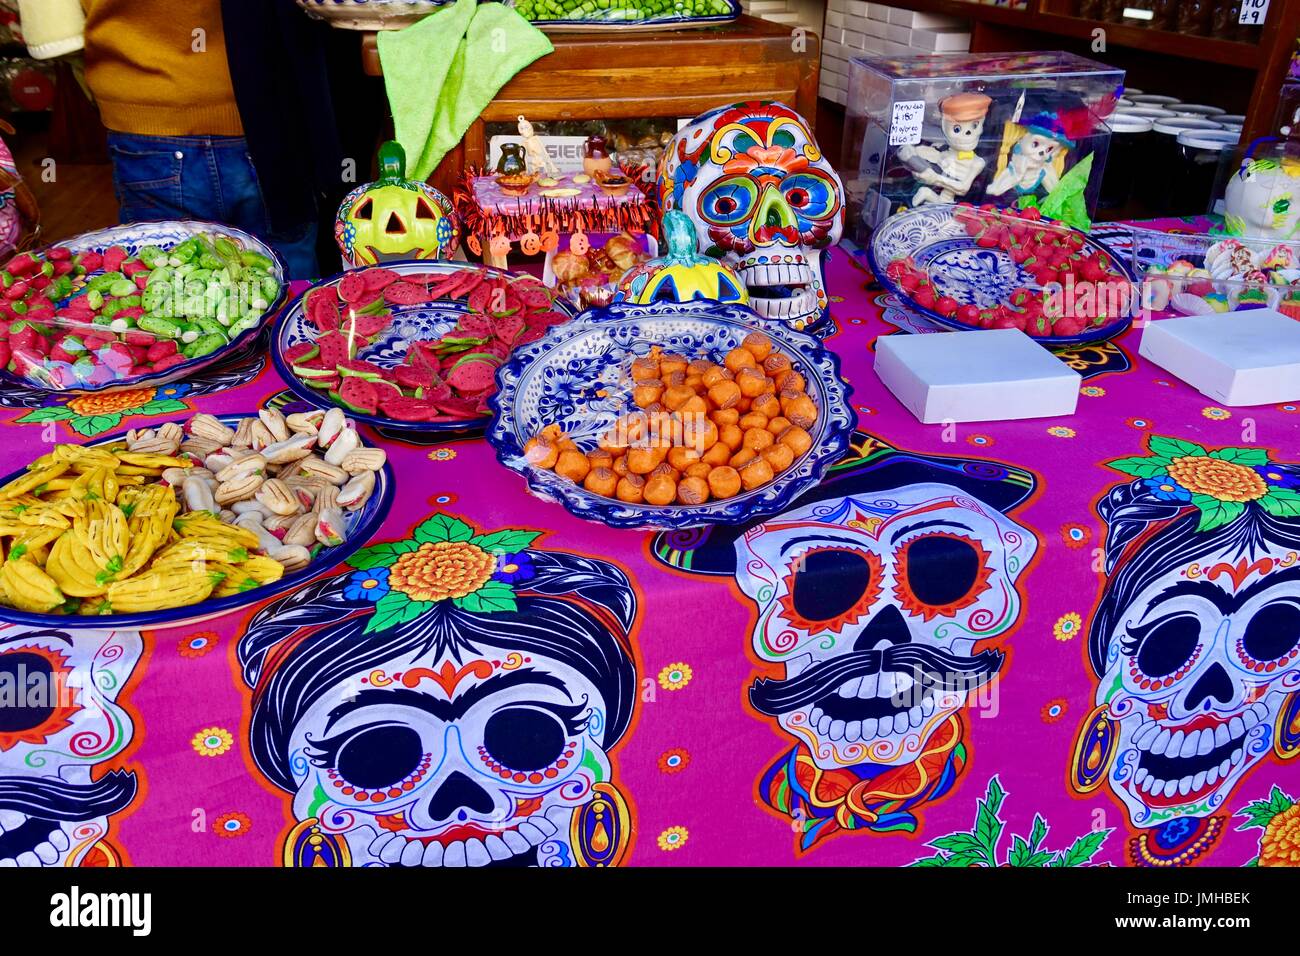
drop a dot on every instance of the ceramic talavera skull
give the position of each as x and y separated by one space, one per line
881 599
61 720
467 735
762 197
1195 643
394 217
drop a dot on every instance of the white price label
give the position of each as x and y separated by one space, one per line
905 125
1253 12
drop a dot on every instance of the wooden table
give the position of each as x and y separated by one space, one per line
627 74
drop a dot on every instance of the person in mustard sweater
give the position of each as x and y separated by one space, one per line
160 75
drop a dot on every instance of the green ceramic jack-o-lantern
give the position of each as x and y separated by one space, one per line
395 217
682 274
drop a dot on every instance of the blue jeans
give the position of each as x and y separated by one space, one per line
202 177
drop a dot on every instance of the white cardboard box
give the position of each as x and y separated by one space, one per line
855 39
899 34
899 49
834 19
874 45
876 28
857 8
941 41
978 376
878 11
916 19
1236 358
835 66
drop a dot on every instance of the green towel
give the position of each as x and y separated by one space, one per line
441 72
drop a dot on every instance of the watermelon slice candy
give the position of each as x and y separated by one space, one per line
301 352
406 409
335 347
369 326
377 279
351 288
358 395
356 368
532 294
405 293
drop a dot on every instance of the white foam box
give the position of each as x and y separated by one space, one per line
855 39
874 45
985 375
834 19
836 67
899 34
898 49
1236 358
878 11
857 8
915 19
941 41
876 28
837 51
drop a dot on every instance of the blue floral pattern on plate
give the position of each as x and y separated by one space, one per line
577 377
425 320
165 233
970 274
362 525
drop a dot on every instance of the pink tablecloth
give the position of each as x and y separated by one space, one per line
615 718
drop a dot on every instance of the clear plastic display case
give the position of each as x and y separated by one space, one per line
1003 128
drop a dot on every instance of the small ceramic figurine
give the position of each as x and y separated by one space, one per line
595 156
512 161
1031 164
395 217
535 155
1262 199
949 172
682 273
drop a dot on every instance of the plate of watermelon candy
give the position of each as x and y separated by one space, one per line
411 346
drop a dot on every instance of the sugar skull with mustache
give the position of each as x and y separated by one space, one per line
880 595
61 719
763 197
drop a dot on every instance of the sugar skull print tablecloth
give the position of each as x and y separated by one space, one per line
1041 643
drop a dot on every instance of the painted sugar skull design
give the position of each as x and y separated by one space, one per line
455 706
763 196
1196 640
879 595
61 720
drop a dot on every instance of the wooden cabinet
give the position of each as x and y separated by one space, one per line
629 74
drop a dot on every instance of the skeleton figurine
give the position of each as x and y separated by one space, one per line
949 172
535 155
1030 165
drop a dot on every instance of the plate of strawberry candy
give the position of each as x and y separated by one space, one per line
411 346
982 267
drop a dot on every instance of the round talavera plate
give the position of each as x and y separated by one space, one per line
370 14
165 234
411 323
578 378
362 525
938 243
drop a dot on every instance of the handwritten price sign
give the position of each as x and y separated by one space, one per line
1253 12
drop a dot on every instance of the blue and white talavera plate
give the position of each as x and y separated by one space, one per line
970 274
427 320
578 377
165 234
362 525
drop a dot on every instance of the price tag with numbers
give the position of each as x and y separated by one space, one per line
1253 12
905 124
